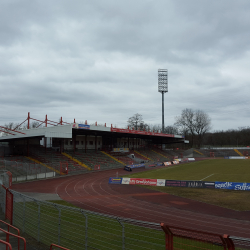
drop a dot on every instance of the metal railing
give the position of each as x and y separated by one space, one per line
76 228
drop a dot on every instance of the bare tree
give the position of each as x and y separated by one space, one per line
172 130
137 122
33 124
194 122
185 123
9 126
202 125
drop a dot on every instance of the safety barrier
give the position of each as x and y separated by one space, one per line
241 241
10 226
182 238
75 228
54 245
64 168
8 205
8 246
8 234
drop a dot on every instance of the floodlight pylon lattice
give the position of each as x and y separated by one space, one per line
163 88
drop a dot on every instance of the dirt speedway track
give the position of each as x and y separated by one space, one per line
92 192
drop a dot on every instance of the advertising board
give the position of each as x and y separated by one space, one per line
223 185
75 125
181 183
83 126
115 180
130 167
237 157
189 184
121 150
168 163
127 168
131 131
160 183
142 181
175 183
126 181
232 185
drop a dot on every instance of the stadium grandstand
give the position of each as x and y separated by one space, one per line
67 148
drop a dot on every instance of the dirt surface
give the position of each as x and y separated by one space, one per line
92 192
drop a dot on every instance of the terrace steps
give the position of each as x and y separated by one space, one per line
77 161
238 152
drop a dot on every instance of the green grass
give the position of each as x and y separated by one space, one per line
207 170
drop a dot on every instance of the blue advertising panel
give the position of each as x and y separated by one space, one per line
137 166
130 167
223 185
241 186
115 180
83 126
232 185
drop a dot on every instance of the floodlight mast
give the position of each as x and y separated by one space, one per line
163 88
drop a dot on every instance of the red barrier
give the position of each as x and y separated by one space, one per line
179 238
64 169
97 167
211 154
8 205
15 236
8 245
58 247
15 228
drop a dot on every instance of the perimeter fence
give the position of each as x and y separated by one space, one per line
75 228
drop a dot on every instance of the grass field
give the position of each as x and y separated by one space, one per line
207 170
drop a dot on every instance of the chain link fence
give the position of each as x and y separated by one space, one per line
76 228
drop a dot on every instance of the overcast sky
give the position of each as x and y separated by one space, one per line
98 60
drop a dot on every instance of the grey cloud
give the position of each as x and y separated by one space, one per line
99 61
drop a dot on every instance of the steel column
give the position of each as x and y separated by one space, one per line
162 112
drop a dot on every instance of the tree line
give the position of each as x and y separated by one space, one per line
195 126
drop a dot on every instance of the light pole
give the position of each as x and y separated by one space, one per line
163 88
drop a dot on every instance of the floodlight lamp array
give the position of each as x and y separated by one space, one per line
162 80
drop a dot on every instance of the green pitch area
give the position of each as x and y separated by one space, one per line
207 170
